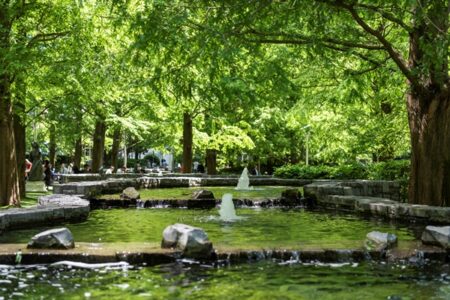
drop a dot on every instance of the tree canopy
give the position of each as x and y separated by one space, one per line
232 82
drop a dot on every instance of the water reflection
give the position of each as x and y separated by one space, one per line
267 279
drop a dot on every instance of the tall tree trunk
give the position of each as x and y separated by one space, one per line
115 148
211 161
79 141
78 153
52 145
428 103
430 141
98 145
20 138
20 132
9 175
187 143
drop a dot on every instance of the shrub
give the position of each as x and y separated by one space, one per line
303 172
351 171
390 170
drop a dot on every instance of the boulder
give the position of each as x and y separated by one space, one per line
435 235
192 241
130 193
290 197
376 240
60 238
203 194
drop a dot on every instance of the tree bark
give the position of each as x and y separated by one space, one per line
9 175
430 142
52 145
98 145
79 141
78 153
20 138
428 104
187 143
115 148
211 161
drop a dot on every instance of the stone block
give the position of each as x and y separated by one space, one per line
439 214
379 241
192 241
420 211
76 213
203 194
439 236
35 186
24 217
60 238
130 193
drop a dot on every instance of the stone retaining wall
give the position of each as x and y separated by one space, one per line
371 188
91 189
103 254
377 198
50 209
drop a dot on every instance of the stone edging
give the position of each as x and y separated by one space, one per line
90 189
151 258
359 197
50 209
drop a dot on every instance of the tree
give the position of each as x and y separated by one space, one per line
23 28
412 35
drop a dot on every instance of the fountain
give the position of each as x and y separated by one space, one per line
244 181
227 211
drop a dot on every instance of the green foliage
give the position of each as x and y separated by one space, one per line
389 170
303 172
349 171
150 158
398 170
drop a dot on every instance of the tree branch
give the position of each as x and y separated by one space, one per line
302 39
45 37
394 54
386 15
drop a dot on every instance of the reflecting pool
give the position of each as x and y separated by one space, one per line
262 280
259 228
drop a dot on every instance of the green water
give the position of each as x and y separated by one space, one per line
267 228
259 192
263 280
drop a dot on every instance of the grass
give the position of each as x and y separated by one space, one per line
30 200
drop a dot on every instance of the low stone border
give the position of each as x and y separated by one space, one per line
366 197
50 209
90 189
90 254
191 203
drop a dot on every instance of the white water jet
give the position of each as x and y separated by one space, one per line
244 181
227 211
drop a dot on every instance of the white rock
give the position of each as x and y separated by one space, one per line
380 240
192 241
60 238
435 235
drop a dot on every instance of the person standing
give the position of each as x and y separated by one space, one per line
28 166
48 174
